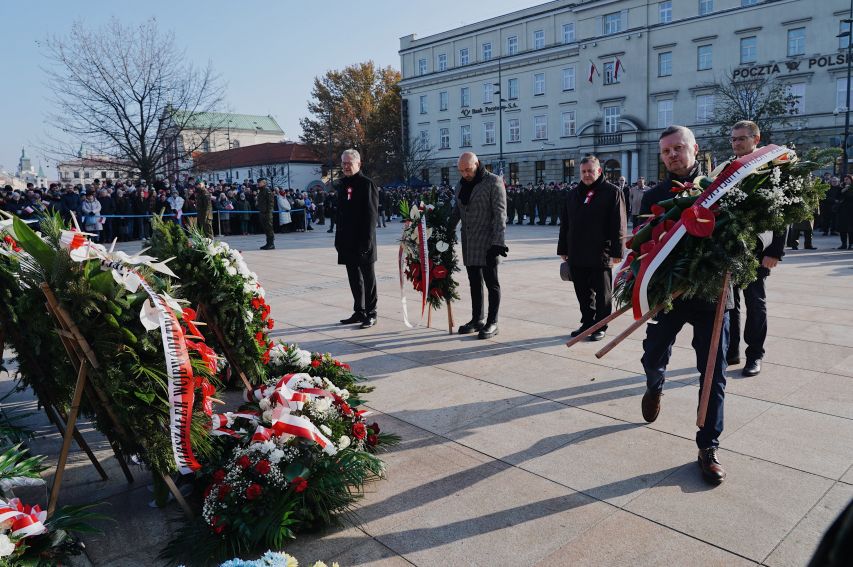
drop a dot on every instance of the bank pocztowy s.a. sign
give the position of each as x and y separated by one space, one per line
791 66
482 109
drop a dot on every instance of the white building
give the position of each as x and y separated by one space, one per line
287 165
655 63
84 170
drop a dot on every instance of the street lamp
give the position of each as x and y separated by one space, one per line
847 34
501 102
230 173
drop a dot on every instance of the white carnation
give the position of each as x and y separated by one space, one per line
276 455
265 404
326 430
232 271
7 548
303 357
267 415
343 442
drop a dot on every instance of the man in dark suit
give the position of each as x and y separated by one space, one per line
481 206
592 227
770 249
678 151
355 239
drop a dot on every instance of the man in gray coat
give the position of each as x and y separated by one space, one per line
481 206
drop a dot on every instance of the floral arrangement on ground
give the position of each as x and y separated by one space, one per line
724 237
428 250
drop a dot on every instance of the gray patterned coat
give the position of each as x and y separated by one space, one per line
483 219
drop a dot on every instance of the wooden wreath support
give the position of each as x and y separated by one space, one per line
82 357
205 313
634 326
710 366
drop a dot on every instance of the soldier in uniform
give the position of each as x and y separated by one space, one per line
532 197
265 202
520 204
204 208
510 205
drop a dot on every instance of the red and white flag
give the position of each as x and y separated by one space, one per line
617 69
593 70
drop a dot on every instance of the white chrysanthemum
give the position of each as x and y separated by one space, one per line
276 455
343 442
265 404
303 357
267 415
231 270
249 315
326 430
7 548
322 405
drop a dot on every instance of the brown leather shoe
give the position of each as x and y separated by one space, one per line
712 470
651 405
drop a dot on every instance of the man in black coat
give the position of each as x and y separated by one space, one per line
678 151
745 137
592 227
355 239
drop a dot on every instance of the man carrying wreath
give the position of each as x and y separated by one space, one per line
678 150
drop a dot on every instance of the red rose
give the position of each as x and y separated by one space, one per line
254 491
346 366
359 430
315 363
260 338
299 484
375 427
218 529
224 490
439 272
337 363
372 440
270 324
265 358
256 304
345 408
244 462
219 475
263 466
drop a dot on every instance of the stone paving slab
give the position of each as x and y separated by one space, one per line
518 451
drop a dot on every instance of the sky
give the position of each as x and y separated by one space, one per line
267 52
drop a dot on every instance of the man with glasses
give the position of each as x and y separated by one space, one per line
770 249
355 239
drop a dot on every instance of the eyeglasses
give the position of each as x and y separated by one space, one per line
740 138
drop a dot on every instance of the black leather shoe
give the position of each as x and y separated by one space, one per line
489 331
651 405
596 336
268 247
578 331
752 367
352 319
330 230
733 359
369 322
712 470
471 326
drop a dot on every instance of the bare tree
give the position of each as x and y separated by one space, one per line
417 155
764 100
128 93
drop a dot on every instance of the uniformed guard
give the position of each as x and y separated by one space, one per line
204 209
265 203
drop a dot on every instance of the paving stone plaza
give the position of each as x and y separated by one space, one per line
519 451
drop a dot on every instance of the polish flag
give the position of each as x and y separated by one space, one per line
617 69
592 71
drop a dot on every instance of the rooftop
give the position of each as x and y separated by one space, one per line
258 154
222 120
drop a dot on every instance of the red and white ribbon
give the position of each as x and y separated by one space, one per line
728 178
284 422
25 521
423 248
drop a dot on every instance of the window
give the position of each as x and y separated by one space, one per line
568 32
488 133
444 138
568 169
610 73
704 57
665 11
463 56
569 79
704 108
539 167
841 93
86 174
706 7
665 64
512 88
423 105
513 173
465 95
540 127
103 175
443 100
425 175
748 2
465 135
612 23
514 130
798 93
538 39
538 84
205 145
611 119
664 113
512 45
422 68
442 62
488 93
749 49
796 42
844 41
76 175
445 176
423 139
487 51
567 122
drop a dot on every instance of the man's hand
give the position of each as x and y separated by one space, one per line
769 262
496 250
564 257
616 261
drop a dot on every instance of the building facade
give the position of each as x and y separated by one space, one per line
84 170
537 89
286 165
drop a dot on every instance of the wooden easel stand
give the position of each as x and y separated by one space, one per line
205 313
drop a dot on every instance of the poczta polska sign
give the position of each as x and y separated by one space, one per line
791 66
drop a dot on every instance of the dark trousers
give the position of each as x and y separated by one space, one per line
362 283
477 275
593 290
755 329
794 236
657 349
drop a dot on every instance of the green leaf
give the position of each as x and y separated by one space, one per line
103 282
294 470
33 244
146 397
